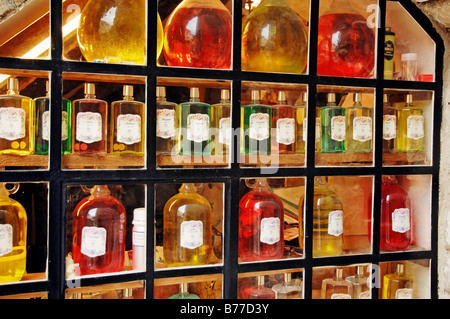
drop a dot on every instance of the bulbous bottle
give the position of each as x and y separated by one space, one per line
198 34
13 236
99 225
261 223
274 39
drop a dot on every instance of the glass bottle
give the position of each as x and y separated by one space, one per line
287 289
259 291
184 293
389 51
336 287
411 129
318 130
333 126
345 42
166 123
195 123
397 285
139 239
13 236
114 29
389 126
361 289
395 231
16 121
221 124
187 228
127 126
283 126
98 230
274 39
301 124
198 34
359 127
255 126
89 123
261 223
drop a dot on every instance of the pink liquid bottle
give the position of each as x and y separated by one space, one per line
259 291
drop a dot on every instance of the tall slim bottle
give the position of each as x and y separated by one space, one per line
127 126
283 126
397 285
301 124
195 123
336 287
361 289
255 126
166 123
318 130
16 121
411 130
358 138
333 126
89 124
390 118
221 130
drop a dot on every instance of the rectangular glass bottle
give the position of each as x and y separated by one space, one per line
16 121
390 117
361 289
397 285
127 126
166 124
359 127
411 127
89 123
333 126
221 130
195 123
288 289
283 126
255 127
302 125
336 287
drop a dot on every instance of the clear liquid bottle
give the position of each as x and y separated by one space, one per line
261 223
89 123
184 293
127 125
301 124
361 289
16 121
274 39
336 287
13 236
187 228
259 291
195 124
358 138
411 130
166 123
221 130
288 289
98 230
390 118
255 126
283 126
333 126
397 285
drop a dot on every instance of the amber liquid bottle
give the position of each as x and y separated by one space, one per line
89 122
411 130
283 126
397 285
301 124
166 123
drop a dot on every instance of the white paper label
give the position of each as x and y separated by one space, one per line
93 241
318 131
335 223
270 230
341 296
404 293
89 127
46 126
197 127
139 238
64 126
12 123
6 239
165 123
365 295
389 127
225 131
401 220
259 128
305 129
286 131
191 234
338 128
414 127
129 128
362 128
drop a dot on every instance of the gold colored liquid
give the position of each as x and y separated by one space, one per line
300 114
405 144
220 111
393 282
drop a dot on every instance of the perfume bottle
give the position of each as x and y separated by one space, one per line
221 135
345 42
410 127
283 126
166 123
127 127
389 50
198 34
318 131
184 293
361 289
98 230
195 122
16 121
187 228
261 223
301 124
395 231
358 138
288 289
255 127
333 126
139 239
336 287
13 236
89 123
397 285
259 291
274 39
390 117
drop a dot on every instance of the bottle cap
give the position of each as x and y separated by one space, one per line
339 272
385 98
195 92
400 268
89 88
357 97
409 98
281 96
225 95
161 91
331 97
13 85
255 95
305 97
140 214
409 57
260 280
127 90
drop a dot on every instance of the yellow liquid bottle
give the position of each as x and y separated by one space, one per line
16 121
397 285
13 236
302 124
358 138
221 124
411 130
187 228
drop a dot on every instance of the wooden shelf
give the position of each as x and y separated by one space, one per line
103 162
193 161
28 161
405 158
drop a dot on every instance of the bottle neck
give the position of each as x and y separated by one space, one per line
128 97
194 99
89 96
225 101
188 188
161 98
100 191
389 179
340 6
278 3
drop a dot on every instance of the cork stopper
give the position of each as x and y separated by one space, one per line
255 95
160 91
225 95
13 86
128 90
357 97
331 98
195 93
89 89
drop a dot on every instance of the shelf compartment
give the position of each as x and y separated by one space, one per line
103 162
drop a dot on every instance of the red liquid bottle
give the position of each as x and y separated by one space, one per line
259 291
345 42
198 34
261 223
283 126
98 230
395 232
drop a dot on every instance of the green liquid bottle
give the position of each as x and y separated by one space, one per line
411 129
359 127
221 124
333 124
184 293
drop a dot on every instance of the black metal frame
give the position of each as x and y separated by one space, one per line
58 179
